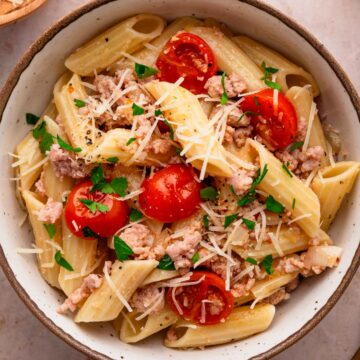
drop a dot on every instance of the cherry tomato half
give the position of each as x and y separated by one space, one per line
171 194
78 215
218 303
187 55
277 128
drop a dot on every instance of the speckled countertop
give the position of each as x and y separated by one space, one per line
337 337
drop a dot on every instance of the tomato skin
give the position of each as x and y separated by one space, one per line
194 294
103 224
187 55
277 130
171 194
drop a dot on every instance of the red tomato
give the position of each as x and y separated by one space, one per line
278 129
103 224
171 194
189 299
187 55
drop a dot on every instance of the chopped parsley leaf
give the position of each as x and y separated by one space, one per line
267 264
206 221
158 112
296 145
113 160
249 223
273 205
79 103
143 71
130 141
287 170
251 260
166 263
94 206
31 119
122 249
119 186
224 97
208 193
97 178
195 258
272 84
178 151
66 146
293 203
45 138
137 110
39 131
170 128
89 233
268 70
51 230
62 262
229 219
135 215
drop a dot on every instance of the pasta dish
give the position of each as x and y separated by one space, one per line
180 179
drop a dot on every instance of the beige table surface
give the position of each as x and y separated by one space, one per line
337 337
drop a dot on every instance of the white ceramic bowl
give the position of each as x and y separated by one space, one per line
29 89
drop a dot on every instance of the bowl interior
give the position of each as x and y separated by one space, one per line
34 90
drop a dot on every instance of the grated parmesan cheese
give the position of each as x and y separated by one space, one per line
155 303
299 218
313 112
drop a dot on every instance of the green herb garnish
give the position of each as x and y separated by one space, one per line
143 71
51 230
94 206
249 223
135 215
89 233
158 112
273 205
267 264
268 71
137 110
62 262
31 119
113 160
208 193
296 145
130 141
67 146
229 219
224 97
293 203
195 258
79 103
166 263
122 249
45 138
287 170
206 221
251 260
178 150
272 84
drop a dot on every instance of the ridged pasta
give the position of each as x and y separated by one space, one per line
289 74
103 304
108 47
331 185
241 323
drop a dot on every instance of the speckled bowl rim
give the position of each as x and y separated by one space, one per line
74 15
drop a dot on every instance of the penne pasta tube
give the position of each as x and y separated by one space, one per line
81 254
49 269
331 185
108 47
302 99
160 275
106 302
230 58
241 323
133 330
307 209
289 74
54 186
189 120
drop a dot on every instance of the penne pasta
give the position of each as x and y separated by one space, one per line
104 303
108 47
49 269
230 58
160 275
206 153
147 326
241 323
289 74
331 185
81 254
